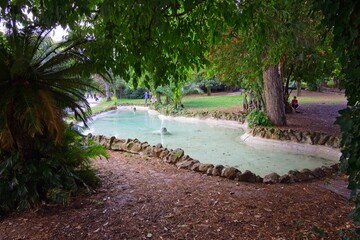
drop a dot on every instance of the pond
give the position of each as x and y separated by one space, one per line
216 142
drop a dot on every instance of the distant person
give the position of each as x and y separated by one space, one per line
295 104
146 96
134 109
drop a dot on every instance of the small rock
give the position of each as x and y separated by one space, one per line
318 172
247 176
195 167
229 172
217 170
271 178
186 164
204 167
286 179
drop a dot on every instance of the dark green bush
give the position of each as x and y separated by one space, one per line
258 118
134 94
58 172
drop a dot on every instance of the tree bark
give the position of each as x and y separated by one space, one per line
274 96
208 90
298 88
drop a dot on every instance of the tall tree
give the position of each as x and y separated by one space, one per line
264 49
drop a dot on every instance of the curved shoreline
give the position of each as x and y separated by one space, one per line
258 142
183 161
321 151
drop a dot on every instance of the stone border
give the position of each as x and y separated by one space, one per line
178 158
239 117
307 137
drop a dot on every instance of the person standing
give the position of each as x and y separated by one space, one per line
146 96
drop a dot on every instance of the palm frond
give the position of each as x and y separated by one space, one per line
38 79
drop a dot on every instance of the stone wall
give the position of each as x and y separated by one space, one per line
231 116
178 158
313 138
307 137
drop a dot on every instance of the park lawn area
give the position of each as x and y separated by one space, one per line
227 101
195 102
311 97
212 102
103 105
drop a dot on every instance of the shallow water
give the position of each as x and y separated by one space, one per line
207 141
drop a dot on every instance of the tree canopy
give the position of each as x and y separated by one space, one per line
161 38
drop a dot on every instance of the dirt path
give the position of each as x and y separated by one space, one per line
149 199
320 114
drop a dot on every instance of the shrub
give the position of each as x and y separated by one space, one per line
54 176
258 118
134 94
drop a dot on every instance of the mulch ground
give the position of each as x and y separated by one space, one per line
145 198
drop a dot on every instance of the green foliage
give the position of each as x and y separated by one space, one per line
38 80
176 92
344 18
258 118
41 158
54 176
134 93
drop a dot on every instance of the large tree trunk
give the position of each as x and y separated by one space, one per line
274 96
298 88
208 90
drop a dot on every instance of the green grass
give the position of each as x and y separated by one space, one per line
197 102
321 98
222 101
104 104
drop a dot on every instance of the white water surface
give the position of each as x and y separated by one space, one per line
209 141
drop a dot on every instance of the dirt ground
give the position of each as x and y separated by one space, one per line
319 116
145 198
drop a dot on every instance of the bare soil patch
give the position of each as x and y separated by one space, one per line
144 198
319 116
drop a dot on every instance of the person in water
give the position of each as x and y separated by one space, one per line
163 130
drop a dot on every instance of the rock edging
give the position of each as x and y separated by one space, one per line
307 137
219 115
178 158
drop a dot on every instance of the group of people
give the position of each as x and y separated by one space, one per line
147 96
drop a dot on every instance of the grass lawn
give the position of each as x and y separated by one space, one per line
190 102
320 97
202 102
211 102
104 104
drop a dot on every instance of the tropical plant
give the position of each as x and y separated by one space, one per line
175 92
41 157
38 80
